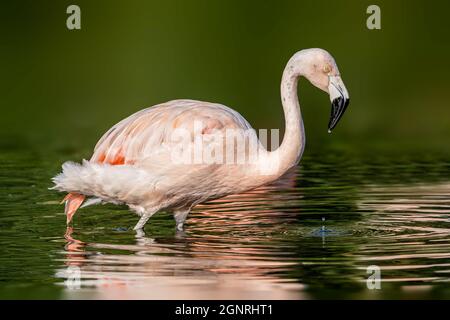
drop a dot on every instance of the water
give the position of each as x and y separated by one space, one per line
311 235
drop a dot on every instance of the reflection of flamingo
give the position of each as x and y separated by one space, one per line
180 267
133 162
260 205
74 248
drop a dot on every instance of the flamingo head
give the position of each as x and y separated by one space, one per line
320 68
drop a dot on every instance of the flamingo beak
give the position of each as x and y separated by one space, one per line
339 100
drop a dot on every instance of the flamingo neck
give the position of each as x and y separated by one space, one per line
291 149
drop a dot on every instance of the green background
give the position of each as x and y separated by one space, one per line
65 88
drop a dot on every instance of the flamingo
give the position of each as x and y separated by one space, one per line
133 163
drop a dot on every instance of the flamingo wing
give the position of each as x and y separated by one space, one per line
143 134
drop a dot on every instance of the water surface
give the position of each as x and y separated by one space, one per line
313 234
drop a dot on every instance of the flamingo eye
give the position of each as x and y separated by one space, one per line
327 68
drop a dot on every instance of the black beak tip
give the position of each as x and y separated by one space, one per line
338 107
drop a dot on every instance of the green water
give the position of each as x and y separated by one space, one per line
311 235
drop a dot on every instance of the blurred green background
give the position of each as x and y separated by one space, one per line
65 88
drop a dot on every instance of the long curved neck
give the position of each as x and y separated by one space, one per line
291 148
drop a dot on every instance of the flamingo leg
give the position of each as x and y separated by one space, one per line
143 220
73 202
180 217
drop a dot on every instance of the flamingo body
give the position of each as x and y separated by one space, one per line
131 162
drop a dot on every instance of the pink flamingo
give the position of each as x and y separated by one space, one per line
133 163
